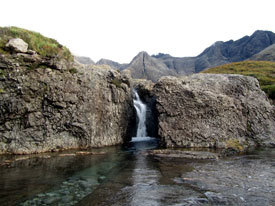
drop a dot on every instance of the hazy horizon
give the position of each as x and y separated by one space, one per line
119 30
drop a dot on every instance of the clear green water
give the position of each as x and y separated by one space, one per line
126 176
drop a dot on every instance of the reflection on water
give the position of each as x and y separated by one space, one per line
129 177
145 181
142 180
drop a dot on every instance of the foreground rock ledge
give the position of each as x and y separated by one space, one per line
49 104
211 110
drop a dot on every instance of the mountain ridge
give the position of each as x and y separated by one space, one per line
219 53
144 66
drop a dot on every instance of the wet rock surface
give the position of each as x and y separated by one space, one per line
220 111
168 153
239 180
50 104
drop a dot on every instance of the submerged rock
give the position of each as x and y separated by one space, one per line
50 104
221 111
168 153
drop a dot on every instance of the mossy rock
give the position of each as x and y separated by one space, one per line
37 42
73 70
234 144
117 82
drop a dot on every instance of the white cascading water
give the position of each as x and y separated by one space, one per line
141 114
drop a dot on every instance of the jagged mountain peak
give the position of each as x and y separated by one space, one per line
143 66
142 54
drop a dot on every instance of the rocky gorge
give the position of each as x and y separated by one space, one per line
210 135
51 104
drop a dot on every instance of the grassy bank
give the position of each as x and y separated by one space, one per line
37 42
264 71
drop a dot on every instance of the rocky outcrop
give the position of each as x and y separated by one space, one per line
210 110
143 66
169 153
49 104
17 45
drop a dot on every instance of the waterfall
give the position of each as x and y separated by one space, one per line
141 114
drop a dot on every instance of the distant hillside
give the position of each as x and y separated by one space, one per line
84 60
268 54
220 53
112 64
259 46
264 71
143 66
181 65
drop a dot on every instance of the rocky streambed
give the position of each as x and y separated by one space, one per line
132 176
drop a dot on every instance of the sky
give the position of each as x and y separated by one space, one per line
120 29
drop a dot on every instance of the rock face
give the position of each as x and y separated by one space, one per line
18 45
221 111
143 66
47 104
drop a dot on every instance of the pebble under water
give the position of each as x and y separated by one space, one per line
127 176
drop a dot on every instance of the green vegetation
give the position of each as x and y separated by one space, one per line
73 70
2 90
234 144
42 45
116 82
2 73
262 70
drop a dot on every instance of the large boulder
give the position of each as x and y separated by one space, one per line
211 110
17 45
49 104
